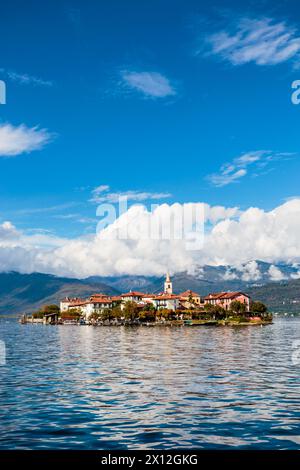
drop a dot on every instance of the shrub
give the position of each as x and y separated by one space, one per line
73 312
259 307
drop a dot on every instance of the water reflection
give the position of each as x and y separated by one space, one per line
115 387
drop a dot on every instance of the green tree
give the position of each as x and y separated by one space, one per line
147 315
208 307
72 312
259 307
131 311
166 313
237 307
215 311
149 308
52 308
116 312
219 312
106 314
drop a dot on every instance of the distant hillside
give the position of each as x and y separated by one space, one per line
21 293
279 296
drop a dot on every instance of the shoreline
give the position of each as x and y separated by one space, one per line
172 323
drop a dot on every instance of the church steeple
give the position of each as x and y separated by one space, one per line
168 288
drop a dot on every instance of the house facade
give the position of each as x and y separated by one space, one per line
132 296
224 299
167 301
190 299
71 302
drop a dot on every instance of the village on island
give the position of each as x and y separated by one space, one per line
165 308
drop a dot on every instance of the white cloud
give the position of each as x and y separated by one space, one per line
250 271
275 274
25 79
268 236
230 275
234 238
263 41
213 214
8 231
103 194
233 171
150 84
226 177
295 275
21 139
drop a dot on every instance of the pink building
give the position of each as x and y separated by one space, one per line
224 299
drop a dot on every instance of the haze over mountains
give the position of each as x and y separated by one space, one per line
278 286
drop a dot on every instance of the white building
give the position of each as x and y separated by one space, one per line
169 301
70 302
100 302
132 296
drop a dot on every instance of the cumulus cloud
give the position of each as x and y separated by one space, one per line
232 238
150 84
213 214
275 274
233 171
261 41
21 139
8 231
250 271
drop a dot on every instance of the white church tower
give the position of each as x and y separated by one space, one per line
168 285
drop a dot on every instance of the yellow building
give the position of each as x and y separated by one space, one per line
191 297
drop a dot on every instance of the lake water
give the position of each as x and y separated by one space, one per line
84 387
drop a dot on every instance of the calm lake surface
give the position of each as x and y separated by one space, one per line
84 387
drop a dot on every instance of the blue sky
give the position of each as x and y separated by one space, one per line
172 101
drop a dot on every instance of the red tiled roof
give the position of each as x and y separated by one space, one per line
72 299
133 294
77 304
224 295
101 300
214 296
232 295
166 297
189 293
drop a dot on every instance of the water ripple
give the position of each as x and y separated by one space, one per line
118 388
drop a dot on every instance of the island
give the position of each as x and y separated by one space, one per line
165 308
